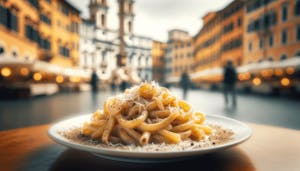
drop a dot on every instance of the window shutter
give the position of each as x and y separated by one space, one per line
3 15
8 18
14 22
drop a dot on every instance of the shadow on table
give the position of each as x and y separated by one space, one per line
230 159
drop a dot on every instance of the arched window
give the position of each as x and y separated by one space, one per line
2 50
102 20
129 26
283 57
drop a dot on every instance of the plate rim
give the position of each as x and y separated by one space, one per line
146 154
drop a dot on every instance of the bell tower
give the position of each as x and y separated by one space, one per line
98 12
128 16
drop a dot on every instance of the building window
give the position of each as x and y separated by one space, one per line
250 47
2 50
271 40
31 33
284 36
45 19
283 57
8 18
228 28
261 43
44 43
284 12
74 27
298 33
34 3
102 20
297 7
64 51
129 26
239 22
298 54
63 9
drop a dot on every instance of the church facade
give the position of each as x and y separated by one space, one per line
99 45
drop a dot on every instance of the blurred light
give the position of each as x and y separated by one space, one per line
256 81
241 77
37 76
6 72
24 71
267 73
278 72
290 70
264 73
247 76
75 79
59 79
285 81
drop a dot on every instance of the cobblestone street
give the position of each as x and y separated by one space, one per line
251 108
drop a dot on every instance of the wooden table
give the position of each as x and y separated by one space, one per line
270 148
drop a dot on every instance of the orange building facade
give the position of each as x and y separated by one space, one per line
45 30
158 57
272 32
179 55
219 40
262 38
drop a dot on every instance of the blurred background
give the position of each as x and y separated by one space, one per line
61 58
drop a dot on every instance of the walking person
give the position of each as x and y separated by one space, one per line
94 81
184 84
230 78
113 87
94 93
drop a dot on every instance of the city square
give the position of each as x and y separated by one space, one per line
164 83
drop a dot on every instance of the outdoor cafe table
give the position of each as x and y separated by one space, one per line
269 148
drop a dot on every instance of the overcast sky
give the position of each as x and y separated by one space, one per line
153 18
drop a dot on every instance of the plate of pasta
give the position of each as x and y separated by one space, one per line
147 123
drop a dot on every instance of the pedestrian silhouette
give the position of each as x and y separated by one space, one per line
184 84
123 85
94 81
113 87
230 78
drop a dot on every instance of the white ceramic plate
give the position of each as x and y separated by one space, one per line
241 133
